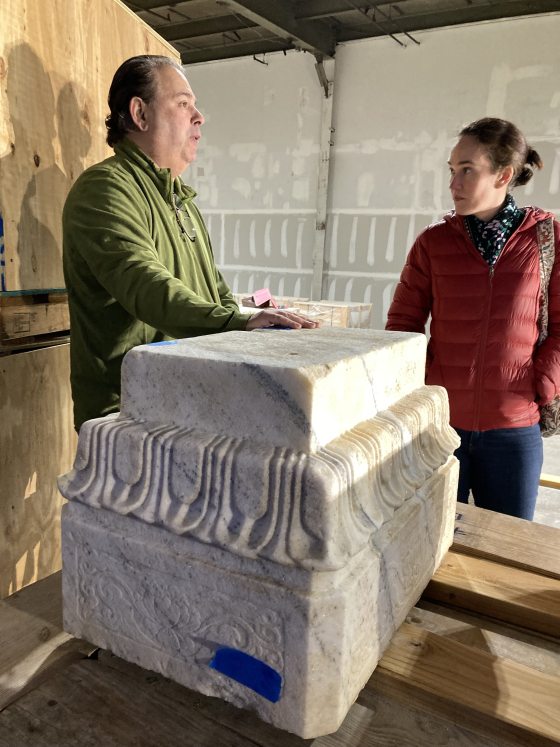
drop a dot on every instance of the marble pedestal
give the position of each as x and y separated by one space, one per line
262 514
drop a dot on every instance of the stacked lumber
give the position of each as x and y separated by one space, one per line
327 313
452 675
30 320
337 313
504 570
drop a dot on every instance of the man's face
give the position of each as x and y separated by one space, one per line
173 121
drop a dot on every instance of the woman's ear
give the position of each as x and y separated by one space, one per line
505 176
137 112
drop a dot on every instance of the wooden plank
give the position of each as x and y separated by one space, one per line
29 319
110 702
549 481
328 314
113 703
27 344
513 595
37 443
490 695
391 722
30 621
33 642
488 635
506 539
385 721
57 60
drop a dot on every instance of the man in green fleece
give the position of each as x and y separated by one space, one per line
138 263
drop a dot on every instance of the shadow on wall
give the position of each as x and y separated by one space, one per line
33 186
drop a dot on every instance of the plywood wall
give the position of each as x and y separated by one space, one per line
37 443
57 59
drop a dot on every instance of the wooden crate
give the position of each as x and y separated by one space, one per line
57 59
32 316
337 313
451 675
328 313
37 443
284 302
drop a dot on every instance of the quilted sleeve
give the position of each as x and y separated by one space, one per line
412 302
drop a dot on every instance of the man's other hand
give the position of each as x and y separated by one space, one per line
279 318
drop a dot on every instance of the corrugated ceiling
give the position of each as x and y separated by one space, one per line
203 30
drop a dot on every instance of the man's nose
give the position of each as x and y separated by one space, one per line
198 117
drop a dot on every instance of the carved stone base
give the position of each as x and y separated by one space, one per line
294 645
260 517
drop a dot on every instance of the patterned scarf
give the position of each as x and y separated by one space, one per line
491 237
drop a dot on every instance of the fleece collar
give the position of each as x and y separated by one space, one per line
126 150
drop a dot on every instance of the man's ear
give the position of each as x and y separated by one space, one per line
137 111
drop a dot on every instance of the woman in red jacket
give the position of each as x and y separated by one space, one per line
476 272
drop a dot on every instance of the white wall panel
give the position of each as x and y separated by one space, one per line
256 172
396 114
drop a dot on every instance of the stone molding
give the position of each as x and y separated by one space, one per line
230 492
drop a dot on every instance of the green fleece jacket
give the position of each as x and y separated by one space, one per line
133 276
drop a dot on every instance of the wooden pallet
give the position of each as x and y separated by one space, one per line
476 664
32 320
37 314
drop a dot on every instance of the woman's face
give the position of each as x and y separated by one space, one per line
475 188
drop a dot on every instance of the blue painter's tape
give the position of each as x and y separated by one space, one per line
164 342
248 671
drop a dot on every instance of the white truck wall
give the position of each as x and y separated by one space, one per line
256 172
396 113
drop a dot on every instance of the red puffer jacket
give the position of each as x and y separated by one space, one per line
483 330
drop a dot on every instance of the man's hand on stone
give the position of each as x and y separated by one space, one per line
279 318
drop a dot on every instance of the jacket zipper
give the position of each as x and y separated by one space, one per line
482 346
482 351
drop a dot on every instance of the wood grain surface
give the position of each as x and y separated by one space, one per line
502 592
519 543
57 59
495 695
449 678
37 444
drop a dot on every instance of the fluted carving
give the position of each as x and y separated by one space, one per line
315 510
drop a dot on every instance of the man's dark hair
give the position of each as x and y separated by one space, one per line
135 77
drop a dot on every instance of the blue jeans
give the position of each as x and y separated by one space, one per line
502 467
